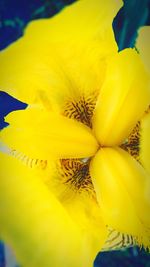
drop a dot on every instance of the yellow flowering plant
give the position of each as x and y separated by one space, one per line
75 172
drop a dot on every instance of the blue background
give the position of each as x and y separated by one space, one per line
14 16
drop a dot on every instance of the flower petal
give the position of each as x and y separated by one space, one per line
86 213
51 74
123 192
145 142
40 134
80 21
34 64
35 224
124 97
143 45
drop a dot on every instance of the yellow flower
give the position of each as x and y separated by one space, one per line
83 180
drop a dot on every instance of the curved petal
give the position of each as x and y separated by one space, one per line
51 74
124 97
34 222
85 212
34 64
143 45
40 134
85 19
145 142
123 191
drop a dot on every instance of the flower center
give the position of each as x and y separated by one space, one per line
75 173
82 109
